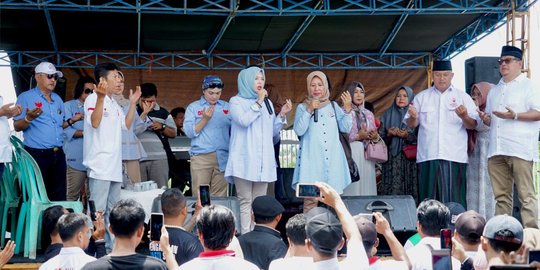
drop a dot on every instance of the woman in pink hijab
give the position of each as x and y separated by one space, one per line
479 191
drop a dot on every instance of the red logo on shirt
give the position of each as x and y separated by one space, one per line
199 113
38 104
226 111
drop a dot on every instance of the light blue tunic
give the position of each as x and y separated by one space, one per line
73 147
132 148
251 149
321 157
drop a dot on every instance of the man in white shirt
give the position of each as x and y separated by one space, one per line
298 256
75 234
6 111
513 114
443 113
102 152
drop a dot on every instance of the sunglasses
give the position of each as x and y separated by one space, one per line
88 91
213 85
52 76
506 60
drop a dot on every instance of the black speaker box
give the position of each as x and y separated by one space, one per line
481 69
399 210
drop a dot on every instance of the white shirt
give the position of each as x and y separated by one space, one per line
72 258
219 262
441 134
510 137
102 152
420 255
389 265
292 263
5 144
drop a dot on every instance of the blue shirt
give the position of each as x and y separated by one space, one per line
73 147
214 136
45 131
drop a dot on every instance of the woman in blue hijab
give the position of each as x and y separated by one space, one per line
399 175
251 164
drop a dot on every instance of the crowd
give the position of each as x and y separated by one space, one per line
440 145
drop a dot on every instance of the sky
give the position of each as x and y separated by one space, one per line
490 45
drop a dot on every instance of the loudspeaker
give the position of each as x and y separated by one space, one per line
481 69
399 210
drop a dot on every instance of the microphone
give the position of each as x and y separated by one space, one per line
268 107
315 115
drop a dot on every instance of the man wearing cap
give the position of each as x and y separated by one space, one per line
443 113
513 114
42 122
264 244
468 230
160 127
324 233
207 123
502 234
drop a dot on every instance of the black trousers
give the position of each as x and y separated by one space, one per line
52 163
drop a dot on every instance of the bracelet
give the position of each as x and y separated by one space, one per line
69 122
26 119
515 116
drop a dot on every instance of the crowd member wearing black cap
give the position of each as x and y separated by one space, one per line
264 244
468 230
443 114
513 112
369 231
324 233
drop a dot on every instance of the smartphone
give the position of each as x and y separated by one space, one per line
156 222
534 255
92 206
511 267
446 238
204 194
441 259
307 191
368 216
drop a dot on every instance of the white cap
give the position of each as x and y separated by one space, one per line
47 68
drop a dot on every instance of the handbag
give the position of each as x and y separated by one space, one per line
344 139
409 151
376 151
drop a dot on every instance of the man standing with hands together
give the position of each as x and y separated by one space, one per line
207 123
443 113
513 114
103 124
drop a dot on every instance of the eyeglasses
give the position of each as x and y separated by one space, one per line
51 76
213 85
88 91
506 60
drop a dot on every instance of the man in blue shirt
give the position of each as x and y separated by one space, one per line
73 135
42 123
207 123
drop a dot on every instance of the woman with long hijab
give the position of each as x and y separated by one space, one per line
399 174
479 191
251 164
363 132
321 157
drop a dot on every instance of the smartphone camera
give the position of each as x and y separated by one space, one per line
92 207
307 191
446 238
156 223
204 194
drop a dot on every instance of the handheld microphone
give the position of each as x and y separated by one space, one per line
268 107
315 115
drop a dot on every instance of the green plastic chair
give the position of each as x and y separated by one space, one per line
36 202
10 195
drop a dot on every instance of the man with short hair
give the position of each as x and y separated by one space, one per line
42 122
178 114
75 234
513 114
369 231
502 234
324 233
160 127
443 114
102 150
432 217
51 216
298 256
216 228
207 124
264 244
127 224
185 245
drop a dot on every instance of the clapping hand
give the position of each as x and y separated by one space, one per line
412 111
101 89
33 113
134 96
509 114
347 101
486 118
461 111
286 108
9 110
208 113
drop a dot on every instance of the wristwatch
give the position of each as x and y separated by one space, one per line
515 116
163 126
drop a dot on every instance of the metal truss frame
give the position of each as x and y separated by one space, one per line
126 60
266 7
